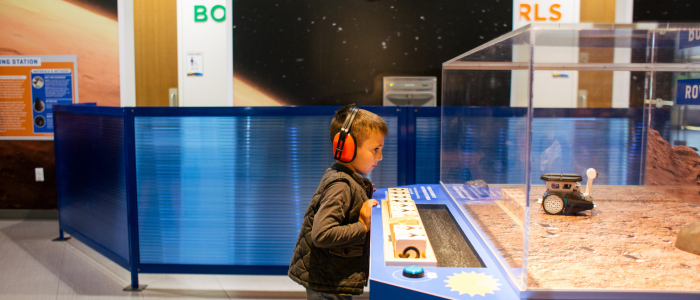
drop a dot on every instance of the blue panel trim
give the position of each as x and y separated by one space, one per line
131 197
484 112
426 150
427 112
95 246
381 290
327 111
90 110
214 269
411 146
402 144
598 113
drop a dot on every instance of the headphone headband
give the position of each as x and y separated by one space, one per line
349 119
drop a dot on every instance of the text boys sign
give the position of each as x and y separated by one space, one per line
688 92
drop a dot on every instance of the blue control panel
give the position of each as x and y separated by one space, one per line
488 282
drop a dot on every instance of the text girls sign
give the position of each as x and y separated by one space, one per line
545 11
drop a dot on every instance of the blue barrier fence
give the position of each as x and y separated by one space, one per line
224 190
488 143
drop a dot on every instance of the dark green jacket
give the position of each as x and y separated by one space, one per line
332 251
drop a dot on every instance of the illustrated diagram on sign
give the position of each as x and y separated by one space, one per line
49 87
194 64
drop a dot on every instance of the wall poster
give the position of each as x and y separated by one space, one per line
30 85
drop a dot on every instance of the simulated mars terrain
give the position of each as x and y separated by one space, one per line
626 242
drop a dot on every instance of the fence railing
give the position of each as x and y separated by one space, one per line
224 190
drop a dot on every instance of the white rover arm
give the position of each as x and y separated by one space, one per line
591 173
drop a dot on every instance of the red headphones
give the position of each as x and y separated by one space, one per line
344 147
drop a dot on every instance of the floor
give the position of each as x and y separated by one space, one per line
34 267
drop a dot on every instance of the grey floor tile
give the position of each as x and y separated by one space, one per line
259 283
33 267
91 255
31 254
93 297
174 294
244 295
6 223
83 278
180 282
28 282
28 297
33 230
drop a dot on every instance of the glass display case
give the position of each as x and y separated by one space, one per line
587 136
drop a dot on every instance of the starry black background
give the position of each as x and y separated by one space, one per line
316 52
676 11
293 50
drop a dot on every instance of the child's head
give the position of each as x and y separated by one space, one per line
368 131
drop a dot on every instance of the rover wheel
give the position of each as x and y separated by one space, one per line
553 204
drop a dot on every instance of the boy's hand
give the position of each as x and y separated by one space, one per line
366 213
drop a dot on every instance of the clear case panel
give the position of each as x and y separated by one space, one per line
610 113
613 231
484 141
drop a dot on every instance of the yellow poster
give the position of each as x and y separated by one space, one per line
29 88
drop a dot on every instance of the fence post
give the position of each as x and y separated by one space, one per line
131 203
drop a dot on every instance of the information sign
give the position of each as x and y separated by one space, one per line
688 92
29 88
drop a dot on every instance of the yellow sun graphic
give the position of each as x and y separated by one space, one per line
473 283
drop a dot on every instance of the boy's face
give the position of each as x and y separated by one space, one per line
369 154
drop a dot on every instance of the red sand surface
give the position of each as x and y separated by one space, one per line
672 170
626 242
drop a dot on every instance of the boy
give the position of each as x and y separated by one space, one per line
331 257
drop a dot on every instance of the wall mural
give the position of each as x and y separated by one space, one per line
85 28
334 53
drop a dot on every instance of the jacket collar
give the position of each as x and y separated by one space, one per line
339 167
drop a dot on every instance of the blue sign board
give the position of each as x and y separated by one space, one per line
49 87
689 38
688 92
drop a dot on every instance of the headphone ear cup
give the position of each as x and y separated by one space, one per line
335 143
349 149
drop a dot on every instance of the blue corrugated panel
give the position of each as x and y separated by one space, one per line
489 144
572 145
477 146
91 181
427 149
232 190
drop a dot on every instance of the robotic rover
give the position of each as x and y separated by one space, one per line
563 194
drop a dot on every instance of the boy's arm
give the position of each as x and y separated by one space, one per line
327 231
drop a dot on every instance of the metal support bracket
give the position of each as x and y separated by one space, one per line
659 102
130 288
61 237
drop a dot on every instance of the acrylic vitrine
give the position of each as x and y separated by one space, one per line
621 99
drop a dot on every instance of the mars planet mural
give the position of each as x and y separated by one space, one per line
62 28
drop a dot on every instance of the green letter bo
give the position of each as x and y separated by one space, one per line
200 13
223 16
